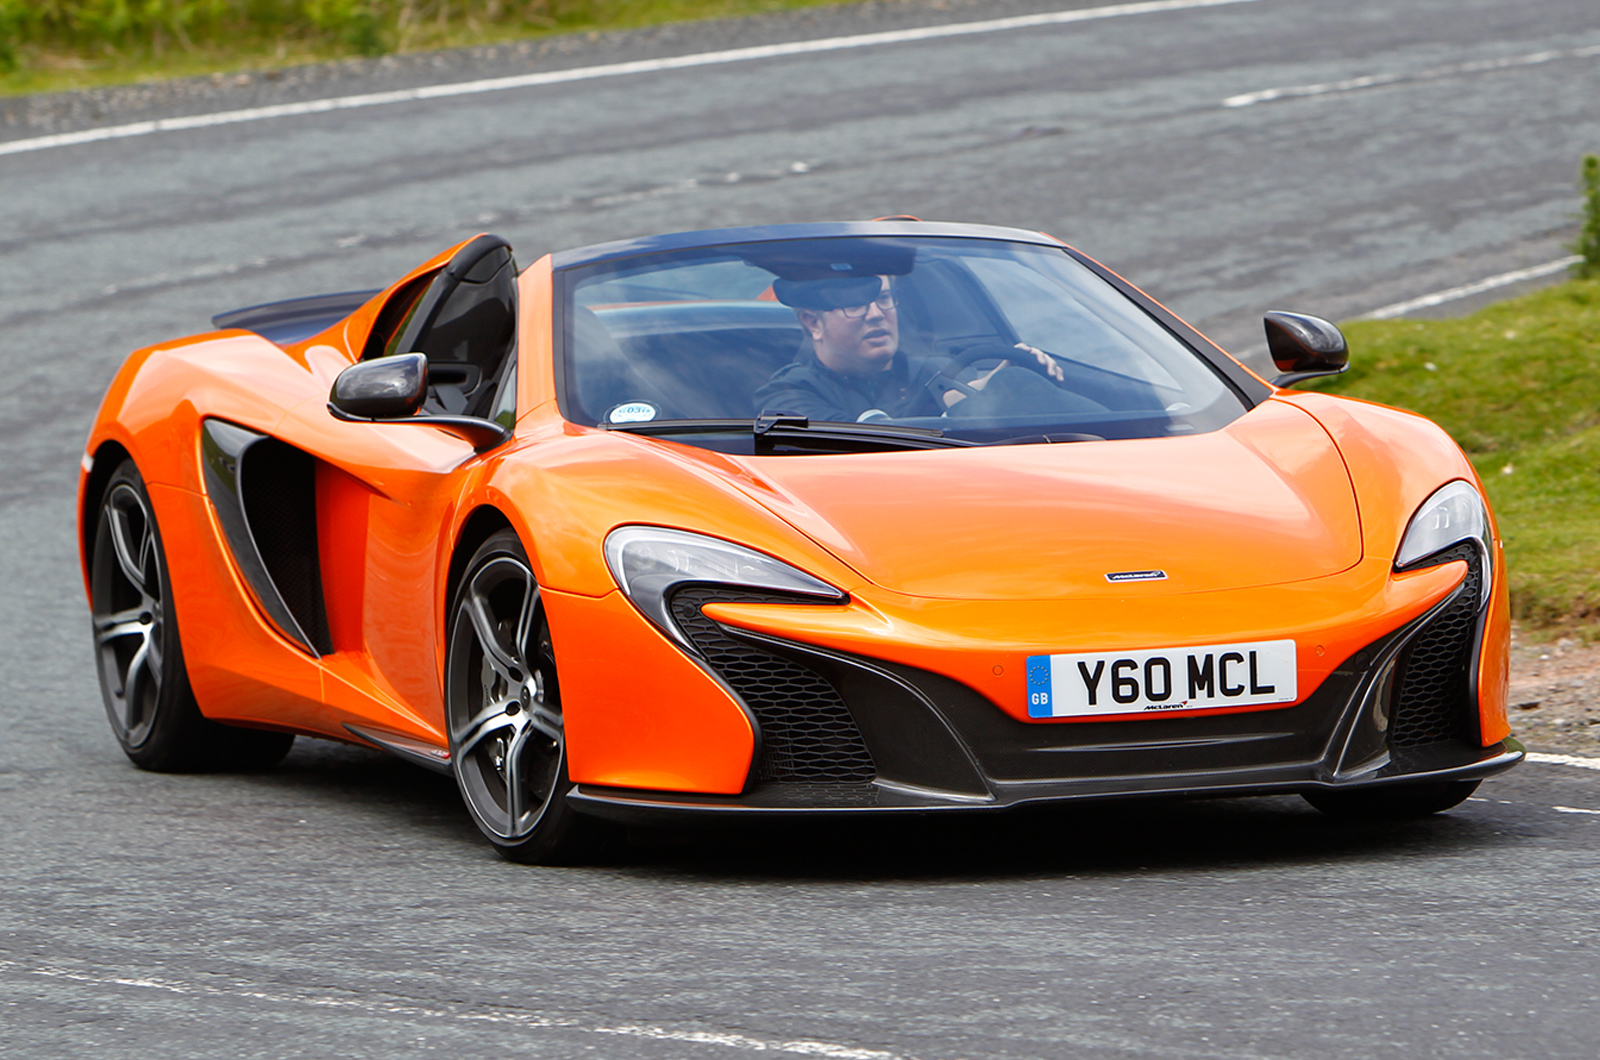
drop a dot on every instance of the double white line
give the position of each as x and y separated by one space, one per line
591 73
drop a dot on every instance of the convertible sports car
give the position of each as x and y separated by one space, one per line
834 518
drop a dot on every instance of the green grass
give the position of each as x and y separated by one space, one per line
1518 385
41 56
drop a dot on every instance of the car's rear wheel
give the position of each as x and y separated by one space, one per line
139 657
503 705
1396 802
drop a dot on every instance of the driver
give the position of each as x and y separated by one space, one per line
854 369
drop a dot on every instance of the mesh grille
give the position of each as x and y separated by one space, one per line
807 733
1432 700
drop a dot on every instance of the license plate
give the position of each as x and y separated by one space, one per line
1161 680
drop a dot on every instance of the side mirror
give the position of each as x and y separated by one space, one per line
391 390
388 388
1304 346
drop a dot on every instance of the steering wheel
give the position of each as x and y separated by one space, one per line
945 378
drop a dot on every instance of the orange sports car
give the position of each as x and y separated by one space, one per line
862 517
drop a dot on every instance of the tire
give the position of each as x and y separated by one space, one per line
1396 803
503 710
139 656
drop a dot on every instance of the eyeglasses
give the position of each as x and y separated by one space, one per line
884 301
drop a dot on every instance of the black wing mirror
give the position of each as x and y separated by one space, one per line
391 389
1304 346
388 388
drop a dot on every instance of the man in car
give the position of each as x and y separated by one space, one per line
854 370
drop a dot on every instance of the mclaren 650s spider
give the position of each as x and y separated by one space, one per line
868 517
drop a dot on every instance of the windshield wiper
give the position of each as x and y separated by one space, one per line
1055 437
772 430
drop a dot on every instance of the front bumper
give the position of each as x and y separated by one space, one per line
843 733
642 807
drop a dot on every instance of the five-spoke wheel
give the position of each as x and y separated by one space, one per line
142 678
128 613
503 705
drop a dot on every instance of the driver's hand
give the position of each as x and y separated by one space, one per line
953 396
1047 362
1052 369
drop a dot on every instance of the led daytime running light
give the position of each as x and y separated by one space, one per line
648 562
1454 514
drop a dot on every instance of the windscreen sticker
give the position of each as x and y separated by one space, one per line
632 412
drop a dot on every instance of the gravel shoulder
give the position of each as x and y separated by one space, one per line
1555 694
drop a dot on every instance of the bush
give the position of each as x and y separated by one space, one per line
368 27
1588 244
354 22
10 32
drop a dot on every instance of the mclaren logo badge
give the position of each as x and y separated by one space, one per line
1137 576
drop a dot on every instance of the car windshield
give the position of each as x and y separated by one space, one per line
972 341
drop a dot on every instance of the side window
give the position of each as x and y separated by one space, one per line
504 411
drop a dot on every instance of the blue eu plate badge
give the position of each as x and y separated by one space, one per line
1039 686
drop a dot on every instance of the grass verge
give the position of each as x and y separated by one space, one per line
1517 384
39 56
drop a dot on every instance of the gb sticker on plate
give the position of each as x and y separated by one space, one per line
1163 679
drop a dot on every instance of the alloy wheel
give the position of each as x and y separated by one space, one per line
128 612
507 739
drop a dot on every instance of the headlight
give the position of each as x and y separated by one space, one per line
1453 515
648 562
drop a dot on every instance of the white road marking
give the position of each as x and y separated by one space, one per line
797 1047
1581 761
1467 290
1574 809
589 73
1450 294
1356 84
740 1041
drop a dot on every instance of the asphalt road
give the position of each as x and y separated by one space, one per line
343 905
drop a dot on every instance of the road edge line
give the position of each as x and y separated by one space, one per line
589 73
1467 290
1580 761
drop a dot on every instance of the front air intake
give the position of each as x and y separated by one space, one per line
1433 698
807 733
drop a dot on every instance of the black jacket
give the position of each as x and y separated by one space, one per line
809 388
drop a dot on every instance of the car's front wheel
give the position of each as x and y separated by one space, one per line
144 683
503 706
1394 802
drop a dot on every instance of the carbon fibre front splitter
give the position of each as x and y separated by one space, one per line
1423 766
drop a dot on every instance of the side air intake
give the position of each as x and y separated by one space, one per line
265 496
